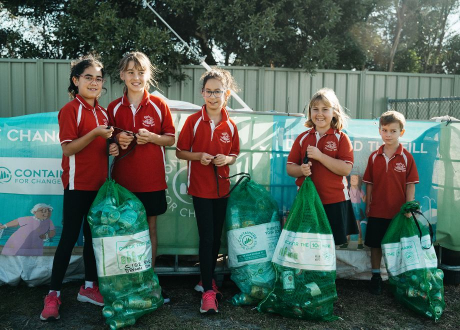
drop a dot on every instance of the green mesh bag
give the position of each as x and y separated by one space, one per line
253 229
123 253
411 263
304 260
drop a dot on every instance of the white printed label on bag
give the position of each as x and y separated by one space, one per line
408 254
252 244
123 254
309 251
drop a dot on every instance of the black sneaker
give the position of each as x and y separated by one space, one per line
165 297
376 284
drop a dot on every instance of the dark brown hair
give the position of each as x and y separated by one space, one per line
78 67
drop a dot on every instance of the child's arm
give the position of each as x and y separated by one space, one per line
77 145
368 198
410 192
410 196
296 170
144 136
202 157
334 165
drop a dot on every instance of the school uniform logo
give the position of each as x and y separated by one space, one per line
225 138
400 167
330 146
148 121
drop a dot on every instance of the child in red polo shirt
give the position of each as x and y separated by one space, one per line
330 160
209 141
148 117
390 178
83 133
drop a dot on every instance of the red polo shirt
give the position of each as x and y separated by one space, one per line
200 134
87 169
143 169
332 188
389 177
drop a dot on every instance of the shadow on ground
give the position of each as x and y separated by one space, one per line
20 308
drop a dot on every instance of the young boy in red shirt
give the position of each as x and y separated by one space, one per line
390 178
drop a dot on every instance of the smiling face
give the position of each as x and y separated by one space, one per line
391 133
321 116
43 213
214 102
135 78
89 84
354 180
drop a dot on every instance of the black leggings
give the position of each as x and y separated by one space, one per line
210 217
76 207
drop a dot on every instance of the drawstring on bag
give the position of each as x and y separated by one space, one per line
244 175
420 231
413 208
118 158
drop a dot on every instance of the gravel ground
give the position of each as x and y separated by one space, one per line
21 306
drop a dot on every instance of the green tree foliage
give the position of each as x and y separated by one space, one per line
384 35
113 28
451 56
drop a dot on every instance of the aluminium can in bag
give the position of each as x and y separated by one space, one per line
253 229
304 261
123 253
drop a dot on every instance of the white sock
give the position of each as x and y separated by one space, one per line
88 284
57 292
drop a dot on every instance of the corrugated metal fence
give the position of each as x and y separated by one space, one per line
31 86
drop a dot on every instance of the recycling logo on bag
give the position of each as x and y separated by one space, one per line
247 240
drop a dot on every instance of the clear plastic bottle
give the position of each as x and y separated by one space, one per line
242 299
113 217
248 223
259 292
108 312
120 323
233 219
127 219
104 231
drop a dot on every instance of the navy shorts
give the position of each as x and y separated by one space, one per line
375 230
342 220
154 202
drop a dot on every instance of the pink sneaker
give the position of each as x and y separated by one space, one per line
91 295
199 288
51 309
208 303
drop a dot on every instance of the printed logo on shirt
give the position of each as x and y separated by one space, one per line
106 122
400 167
148 121
330 146
225 138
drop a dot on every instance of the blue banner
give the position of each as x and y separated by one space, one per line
30 169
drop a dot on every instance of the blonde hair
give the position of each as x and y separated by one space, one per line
391 117
141 62
328 97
